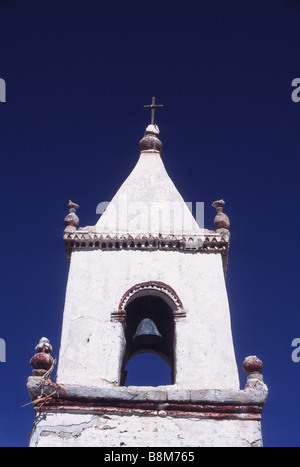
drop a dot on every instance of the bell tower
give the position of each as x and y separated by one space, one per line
147 278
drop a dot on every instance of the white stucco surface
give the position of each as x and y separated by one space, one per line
79 430
148 202
92 346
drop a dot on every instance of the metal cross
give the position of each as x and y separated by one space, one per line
153 106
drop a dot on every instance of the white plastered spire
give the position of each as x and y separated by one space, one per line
148 203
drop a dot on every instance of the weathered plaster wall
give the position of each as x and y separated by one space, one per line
77 430
147 416
92 345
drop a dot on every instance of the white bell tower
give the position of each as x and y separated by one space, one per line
147 278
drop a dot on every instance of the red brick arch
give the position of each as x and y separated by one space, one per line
150 288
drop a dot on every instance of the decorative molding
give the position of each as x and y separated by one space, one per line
84 239
226 404
119 316
150 286
233 411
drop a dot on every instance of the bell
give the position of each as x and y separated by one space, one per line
147 333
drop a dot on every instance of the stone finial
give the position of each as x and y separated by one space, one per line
150 141
42 361
73 206
221 220
252 365
44 346
71 221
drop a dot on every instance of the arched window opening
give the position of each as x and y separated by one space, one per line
147 369
149 329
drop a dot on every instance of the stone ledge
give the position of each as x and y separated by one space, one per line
255 393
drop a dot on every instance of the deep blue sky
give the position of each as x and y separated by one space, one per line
77 75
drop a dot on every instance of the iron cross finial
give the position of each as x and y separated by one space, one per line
153 106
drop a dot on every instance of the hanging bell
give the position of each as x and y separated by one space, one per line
147 333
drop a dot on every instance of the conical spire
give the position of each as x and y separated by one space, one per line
148 202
